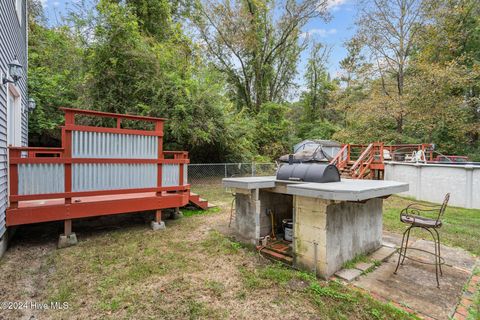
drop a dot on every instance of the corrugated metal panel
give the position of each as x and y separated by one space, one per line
13 42
100 176
112 145
40 178
170 175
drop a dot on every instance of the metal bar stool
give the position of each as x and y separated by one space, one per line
412 216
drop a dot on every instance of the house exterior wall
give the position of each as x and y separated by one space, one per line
13 42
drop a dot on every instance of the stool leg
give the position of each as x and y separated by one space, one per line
401 250
406 244
439 254
436 255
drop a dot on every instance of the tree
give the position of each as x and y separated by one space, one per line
256 44
55 75
133 70
107 59
355 68
273 130
319 86
389 29
451 32
452 37
439 108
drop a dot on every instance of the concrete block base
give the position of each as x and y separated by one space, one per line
328 234
157 225
67 241
251 220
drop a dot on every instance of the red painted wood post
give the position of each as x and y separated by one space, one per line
13 176
181 171
160 157
67 226
348 153
381 153
158 216
67 148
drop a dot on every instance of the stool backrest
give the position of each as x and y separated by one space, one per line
443 207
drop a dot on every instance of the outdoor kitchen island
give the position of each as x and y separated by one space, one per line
332 222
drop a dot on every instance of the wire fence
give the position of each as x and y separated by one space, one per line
213 173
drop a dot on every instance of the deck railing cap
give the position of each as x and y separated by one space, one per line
110 114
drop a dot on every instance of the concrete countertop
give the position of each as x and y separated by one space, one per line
345 190
250 182
348 189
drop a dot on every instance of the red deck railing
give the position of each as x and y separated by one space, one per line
361 161
96 161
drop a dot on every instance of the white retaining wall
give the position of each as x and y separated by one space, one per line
430 182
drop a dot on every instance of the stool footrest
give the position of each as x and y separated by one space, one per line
401 254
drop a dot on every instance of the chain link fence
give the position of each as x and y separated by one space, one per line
213 173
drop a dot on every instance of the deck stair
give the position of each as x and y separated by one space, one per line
366 161
360 161
345 171
198 202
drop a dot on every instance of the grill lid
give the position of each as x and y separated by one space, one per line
309 172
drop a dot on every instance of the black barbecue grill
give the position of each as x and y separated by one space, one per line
308 172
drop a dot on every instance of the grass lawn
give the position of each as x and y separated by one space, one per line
191 270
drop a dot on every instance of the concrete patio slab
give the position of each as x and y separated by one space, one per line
393 238
414 285
348 274
364 266
455 257
382 254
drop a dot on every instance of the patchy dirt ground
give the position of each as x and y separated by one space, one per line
122 270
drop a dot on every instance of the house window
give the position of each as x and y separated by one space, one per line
19 9
14 117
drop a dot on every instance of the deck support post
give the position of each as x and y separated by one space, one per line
68 238
157 223
158 216
67 227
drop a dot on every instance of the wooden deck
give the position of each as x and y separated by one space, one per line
99 170
34 211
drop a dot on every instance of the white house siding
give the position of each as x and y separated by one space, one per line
13 42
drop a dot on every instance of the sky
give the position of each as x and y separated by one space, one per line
333 33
